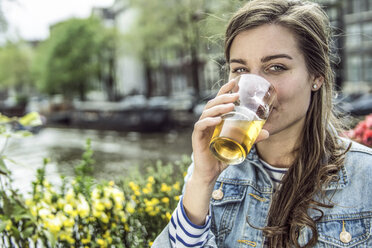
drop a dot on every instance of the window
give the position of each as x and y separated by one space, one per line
354 68
367 31
367 64
353 35
356 6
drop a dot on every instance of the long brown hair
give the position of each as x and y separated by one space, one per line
319 152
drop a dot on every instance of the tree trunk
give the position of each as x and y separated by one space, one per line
195 71
110 81
149 81
82 92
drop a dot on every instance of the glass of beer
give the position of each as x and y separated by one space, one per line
234 137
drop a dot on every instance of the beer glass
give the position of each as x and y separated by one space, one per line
234 137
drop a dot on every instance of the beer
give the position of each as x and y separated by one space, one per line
233 139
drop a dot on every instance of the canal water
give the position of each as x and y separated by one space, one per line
115 153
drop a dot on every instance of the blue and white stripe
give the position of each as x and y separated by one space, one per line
276 174
183 233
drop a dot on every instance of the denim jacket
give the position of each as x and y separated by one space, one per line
247 193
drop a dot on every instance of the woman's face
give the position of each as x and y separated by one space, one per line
272 52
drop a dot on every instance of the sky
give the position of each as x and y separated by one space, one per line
30 19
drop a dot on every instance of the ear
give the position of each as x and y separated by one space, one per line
317 82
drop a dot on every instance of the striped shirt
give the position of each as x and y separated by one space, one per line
276 174
183 233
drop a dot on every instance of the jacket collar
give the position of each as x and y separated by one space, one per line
333 185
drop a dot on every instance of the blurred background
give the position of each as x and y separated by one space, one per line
134 75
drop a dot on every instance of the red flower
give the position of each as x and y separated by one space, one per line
362 133
367 137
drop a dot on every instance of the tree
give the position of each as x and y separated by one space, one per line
15 67
107 62
68 61
178 30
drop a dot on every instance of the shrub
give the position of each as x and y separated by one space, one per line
85 213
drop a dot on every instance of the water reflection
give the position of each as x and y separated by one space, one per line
115 153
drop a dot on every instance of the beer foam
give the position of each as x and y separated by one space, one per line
243 113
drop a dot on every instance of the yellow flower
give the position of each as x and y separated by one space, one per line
177 186
53 224
165 200
154 201
111 183
107 203
86 240
69 222
97 214
133 186
70 196
83 208
106 234
70 240
177 198
29 202
61 203
168 215
130 209
68 209
149 209
46 184
137 192
44 213
96 194
151 179
118 196
104 218
123 219
165 188
8 225
145 190
150 243
101 242
98 205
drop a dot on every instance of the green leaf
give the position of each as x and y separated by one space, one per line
2 226
31 119
7 204
15 233
26 233
3 169
50 237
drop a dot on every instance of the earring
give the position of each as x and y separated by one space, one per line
315 86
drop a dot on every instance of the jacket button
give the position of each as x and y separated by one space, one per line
217 194
345 237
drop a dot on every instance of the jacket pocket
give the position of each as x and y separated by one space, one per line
345 230
225 205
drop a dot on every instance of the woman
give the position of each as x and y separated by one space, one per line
302 185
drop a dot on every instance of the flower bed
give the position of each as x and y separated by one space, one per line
83 212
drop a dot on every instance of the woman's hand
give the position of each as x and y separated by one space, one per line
206 167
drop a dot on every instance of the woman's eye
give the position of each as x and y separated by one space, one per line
239 70
276 68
